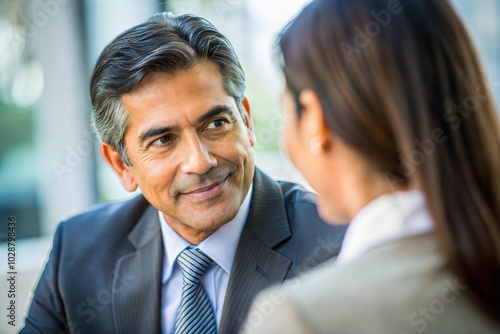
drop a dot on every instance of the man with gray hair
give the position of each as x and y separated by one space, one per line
209 231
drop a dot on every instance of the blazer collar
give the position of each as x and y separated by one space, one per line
146 229
267 218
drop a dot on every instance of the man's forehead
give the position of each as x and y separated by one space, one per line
202 70
203 78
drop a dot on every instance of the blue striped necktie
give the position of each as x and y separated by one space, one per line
195 313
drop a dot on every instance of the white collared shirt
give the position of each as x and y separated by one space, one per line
387 218
220 246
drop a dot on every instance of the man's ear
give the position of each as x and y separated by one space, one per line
248 119
123 171
313 123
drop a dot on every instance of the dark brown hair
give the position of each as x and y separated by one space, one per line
400 81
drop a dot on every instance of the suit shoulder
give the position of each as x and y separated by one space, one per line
390 283
102 230
295 193
303 213
385 276
106 216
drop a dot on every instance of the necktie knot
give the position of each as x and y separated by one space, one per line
193 263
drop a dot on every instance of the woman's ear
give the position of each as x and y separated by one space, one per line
313 123
123 171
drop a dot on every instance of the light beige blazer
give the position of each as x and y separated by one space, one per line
402 287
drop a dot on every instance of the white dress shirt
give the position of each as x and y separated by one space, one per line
387 218
220 246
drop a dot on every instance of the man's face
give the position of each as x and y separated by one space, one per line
189 148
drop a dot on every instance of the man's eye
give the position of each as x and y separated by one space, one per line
162 141
218 123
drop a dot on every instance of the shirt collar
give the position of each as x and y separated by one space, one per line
387 218
220 246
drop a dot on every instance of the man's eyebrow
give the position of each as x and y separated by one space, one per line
155 132
218 109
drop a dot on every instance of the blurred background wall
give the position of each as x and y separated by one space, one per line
50 166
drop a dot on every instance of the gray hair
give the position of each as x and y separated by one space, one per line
164 43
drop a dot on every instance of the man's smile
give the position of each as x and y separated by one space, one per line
208 191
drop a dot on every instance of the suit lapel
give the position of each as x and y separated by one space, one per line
136 288
256 265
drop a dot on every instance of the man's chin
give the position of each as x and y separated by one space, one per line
206 220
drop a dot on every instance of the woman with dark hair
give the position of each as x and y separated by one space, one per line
391 120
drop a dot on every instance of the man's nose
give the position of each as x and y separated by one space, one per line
198 159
